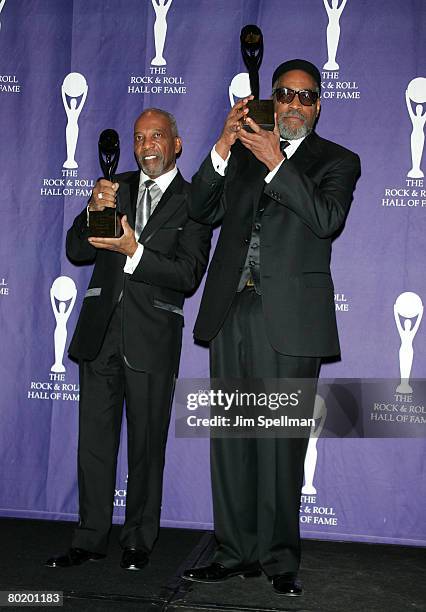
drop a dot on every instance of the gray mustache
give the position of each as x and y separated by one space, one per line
294 113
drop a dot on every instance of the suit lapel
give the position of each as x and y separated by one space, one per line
127 198
307 153
170 201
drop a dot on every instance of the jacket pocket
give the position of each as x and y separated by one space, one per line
93 292
166 306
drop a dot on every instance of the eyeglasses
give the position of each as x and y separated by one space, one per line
284 95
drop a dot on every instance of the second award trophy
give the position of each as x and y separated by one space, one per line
106 223
261 111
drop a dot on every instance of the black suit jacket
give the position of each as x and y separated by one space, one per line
173 262
305 206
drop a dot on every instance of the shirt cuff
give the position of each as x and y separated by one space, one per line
270 176
133 262
219 164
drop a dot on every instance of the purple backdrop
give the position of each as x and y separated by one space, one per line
369 490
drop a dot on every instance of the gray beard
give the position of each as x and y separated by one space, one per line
289 133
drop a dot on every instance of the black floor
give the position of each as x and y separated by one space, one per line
337 577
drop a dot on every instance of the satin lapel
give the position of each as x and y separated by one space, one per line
258 172
128 195
307 153
170 201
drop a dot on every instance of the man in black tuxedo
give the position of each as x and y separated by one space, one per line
268 308
128 339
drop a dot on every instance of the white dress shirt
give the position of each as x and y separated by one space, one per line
162 182
220 164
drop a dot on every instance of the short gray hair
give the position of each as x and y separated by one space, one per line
169 116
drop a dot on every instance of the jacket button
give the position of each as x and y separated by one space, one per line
257 226
246 240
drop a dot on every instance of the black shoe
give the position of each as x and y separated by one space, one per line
215 572
133 559
287 584
75 556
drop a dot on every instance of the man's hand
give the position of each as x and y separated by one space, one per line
233 125
104 195
126 244
263 144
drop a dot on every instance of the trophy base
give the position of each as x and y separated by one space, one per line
261 111
105 223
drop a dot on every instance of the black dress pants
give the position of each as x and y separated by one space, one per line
104 384
256 482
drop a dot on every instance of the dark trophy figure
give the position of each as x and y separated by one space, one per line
261 111
106 223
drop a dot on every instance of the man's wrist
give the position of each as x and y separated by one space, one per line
274 163
222 148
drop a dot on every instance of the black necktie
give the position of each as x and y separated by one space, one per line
283 145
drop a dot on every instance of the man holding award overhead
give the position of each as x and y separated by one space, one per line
281 195
128 335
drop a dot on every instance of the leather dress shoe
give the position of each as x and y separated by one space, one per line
133 559
287 584
215 572
75 556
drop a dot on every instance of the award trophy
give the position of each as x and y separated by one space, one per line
106 223
261 111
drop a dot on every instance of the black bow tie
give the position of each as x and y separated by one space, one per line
283 145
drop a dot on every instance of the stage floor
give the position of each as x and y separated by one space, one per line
337 577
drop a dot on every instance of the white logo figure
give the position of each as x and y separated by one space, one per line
239 87
74 86
416 92
407 305
320 412
1 8
64 291
334 13
160 30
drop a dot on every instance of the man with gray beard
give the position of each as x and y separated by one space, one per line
267 310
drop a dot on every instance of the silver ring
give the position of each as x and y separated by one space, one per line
100 195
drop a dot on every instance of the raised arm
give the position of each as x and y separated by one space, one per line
417 323
341 7
397 321
409 107
326 6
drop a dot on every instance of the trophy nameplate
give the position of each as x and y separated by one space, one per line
261 111
106 223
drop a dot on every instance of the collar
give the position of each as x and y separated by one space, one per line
162 181
293 146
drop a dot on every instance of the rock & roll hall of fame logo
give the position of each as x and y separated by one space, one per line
157 78
334 86
408 313
63 294
74 93
411 191
69 183
56 385
311 512
415 98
